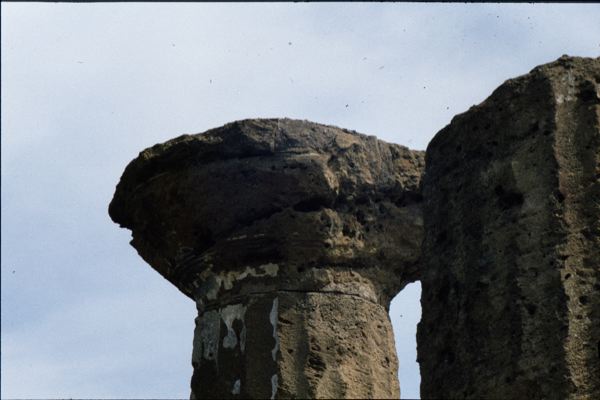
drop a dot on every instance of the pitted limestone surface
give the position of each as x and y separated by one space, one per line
511 278
295 345
263 222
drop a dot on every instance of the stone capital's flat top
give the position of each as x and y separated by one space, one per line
352 159
273 191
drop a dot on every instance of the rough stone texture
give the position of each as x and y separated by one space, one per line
511 279
292 237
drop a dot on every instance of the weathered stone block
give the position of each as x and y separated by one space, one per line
511 279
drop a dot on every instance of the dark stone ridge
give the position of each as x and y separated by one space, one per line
511 256
292 237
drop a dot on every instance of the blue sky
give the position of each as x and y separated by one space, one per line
85 87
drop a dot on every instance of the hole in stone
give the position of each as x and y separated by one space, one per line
583 300
508 199
587 92
361 217
441 237
534 127
447 355
405 313
312 204
408 198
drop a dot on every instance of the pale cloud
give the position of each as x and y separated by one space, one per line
94 347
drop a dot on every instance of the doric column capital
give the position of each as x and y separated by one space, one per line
292 237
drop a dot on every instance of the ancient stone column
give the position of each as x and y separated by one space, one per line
511 279
292 238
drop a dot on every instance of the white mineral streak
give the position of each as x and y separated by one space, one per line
274 383
227 279
230 277
206 337
571 92
212 293
273 318
230 314
236 387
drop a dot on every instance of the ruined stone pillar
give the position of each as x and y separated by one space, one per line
292 238
511 278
